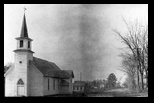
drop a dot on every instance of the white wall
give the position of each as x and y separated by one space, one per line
51 90
78 89
70 85
21 69
9 83
35 87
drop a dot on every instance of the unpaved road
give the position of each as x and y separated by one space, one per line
122 92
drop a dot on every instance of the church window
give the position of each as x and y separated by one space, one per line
48 84
20 82
28 44
21 43
54 84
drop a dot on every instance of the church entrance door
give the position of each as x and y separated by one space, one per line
20 90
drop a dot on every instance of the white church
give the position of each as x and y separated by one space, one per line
31 76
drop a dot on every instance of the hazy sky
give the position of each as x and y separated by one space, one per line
74 36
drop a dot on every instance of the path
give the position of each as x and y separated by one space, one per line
122 92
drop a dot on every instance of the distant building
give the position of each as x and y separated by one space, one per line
79 86
102 86
31 76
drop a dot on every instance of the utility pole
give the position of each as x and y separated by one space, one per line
80 76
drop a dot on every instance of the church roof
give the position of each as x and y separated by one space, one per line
50 69
23 50
70 72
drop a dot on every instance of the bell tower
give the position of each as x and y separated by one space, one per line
22 55
24 42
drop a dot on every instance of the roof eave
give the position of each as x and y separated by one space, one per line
21 38
17 50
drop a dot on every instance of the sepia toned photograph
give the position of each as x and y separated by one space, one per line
75 50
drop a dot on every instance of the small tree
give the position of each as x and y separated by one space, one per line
111 81
7 66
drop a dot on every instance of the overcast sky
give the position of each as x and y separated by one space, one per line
74 36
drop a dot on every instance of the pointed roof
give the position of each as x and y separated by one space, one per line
24 32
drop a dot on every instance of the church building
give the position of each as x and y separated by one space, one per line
32 76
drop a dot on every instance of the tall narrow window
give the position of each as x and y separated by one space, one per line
21 43
28 44
53 84
20 88
48 84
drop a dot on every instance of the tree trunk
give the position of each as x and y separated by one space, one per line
147 82
138 80
133 84
141 68
142 83
147 79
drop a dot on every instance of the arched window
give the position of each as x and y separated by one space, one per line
20 82
21 43
28 44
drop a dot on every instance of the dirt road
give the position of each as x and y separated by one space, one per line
122 92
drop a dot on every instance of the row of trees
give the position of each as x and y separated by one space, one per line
111 82
135 56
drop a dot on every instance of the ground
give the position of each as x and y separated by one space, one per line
120 92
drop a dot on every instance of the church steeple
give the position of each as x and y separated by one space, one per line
22 57
24 42
24 32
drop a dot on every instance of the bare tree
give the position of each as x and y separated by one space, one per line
136 40
129 67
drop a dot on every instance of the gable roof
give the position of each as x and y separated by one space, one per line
50 69
70 72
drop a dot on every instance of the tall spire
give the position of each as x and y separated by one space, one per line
24 32
24 42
